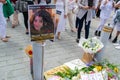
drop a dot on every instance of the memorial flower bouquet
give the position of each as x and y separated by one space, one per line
91 45
28 50
108 71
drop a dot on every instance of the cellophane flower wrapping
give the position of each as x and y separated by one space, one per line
91 45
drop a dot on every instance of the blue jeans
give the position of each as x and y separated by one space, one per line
87 26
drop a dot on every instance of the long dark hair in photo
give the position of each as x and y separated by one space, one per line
48 24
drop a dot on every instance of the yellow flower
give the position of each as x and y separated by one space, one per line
99 68
116 70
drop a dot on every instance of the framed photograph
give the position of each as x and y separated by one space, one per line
41 22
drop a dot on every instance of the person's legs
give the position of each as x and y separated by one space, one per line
116 37
87 26
60 25
25 14
77 22
3 33
71 20
80 27
100 27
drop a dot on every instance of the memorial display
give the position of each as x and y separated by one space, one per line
103 70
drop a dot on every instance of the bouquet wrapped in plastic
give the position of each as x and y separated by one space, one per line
91 45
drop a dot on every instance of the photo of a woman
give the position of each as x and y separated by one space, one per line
38 23
41 24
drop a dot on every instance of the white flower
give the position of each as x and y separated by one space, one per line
95 70
75 78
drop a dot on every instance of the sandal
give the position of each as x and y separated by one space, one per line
4 39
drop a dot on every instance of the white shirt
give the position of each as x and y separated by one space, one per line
69 5
82 12
106 9
60 5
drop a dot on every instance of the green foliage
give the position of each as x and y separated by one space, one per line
87 69
68 74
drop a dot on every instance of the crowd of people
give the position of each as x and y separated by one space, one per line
77 12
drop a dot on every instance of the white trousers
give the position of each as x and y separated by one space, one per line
71 19
3 30
101 25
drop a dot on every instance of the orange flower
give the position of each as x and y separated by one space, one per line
28 50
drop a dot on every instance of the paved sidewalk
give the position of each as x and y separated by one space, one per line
14 63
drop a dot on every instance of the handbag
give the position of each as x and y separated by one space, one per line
8 9
21 6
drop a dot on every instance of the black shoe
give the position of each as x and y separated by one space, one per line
77 40
27 33
99 33
114 40
96 33
51 40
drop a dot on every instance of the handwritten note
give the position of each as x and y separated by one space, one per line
93 76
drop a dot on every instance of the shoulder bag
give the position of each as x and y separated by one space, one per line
8 9
21 6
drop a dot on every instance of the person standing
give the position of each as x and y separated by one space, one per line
3 23
106 8
69 6
85 13
117 22
61 19
25 15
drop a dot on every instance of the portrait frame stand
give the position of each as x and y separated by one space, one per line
38 60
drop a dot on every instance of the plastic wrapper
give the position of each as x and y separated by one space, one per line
91 45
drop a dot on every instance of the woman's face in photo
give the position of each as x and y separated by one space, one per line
38 23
